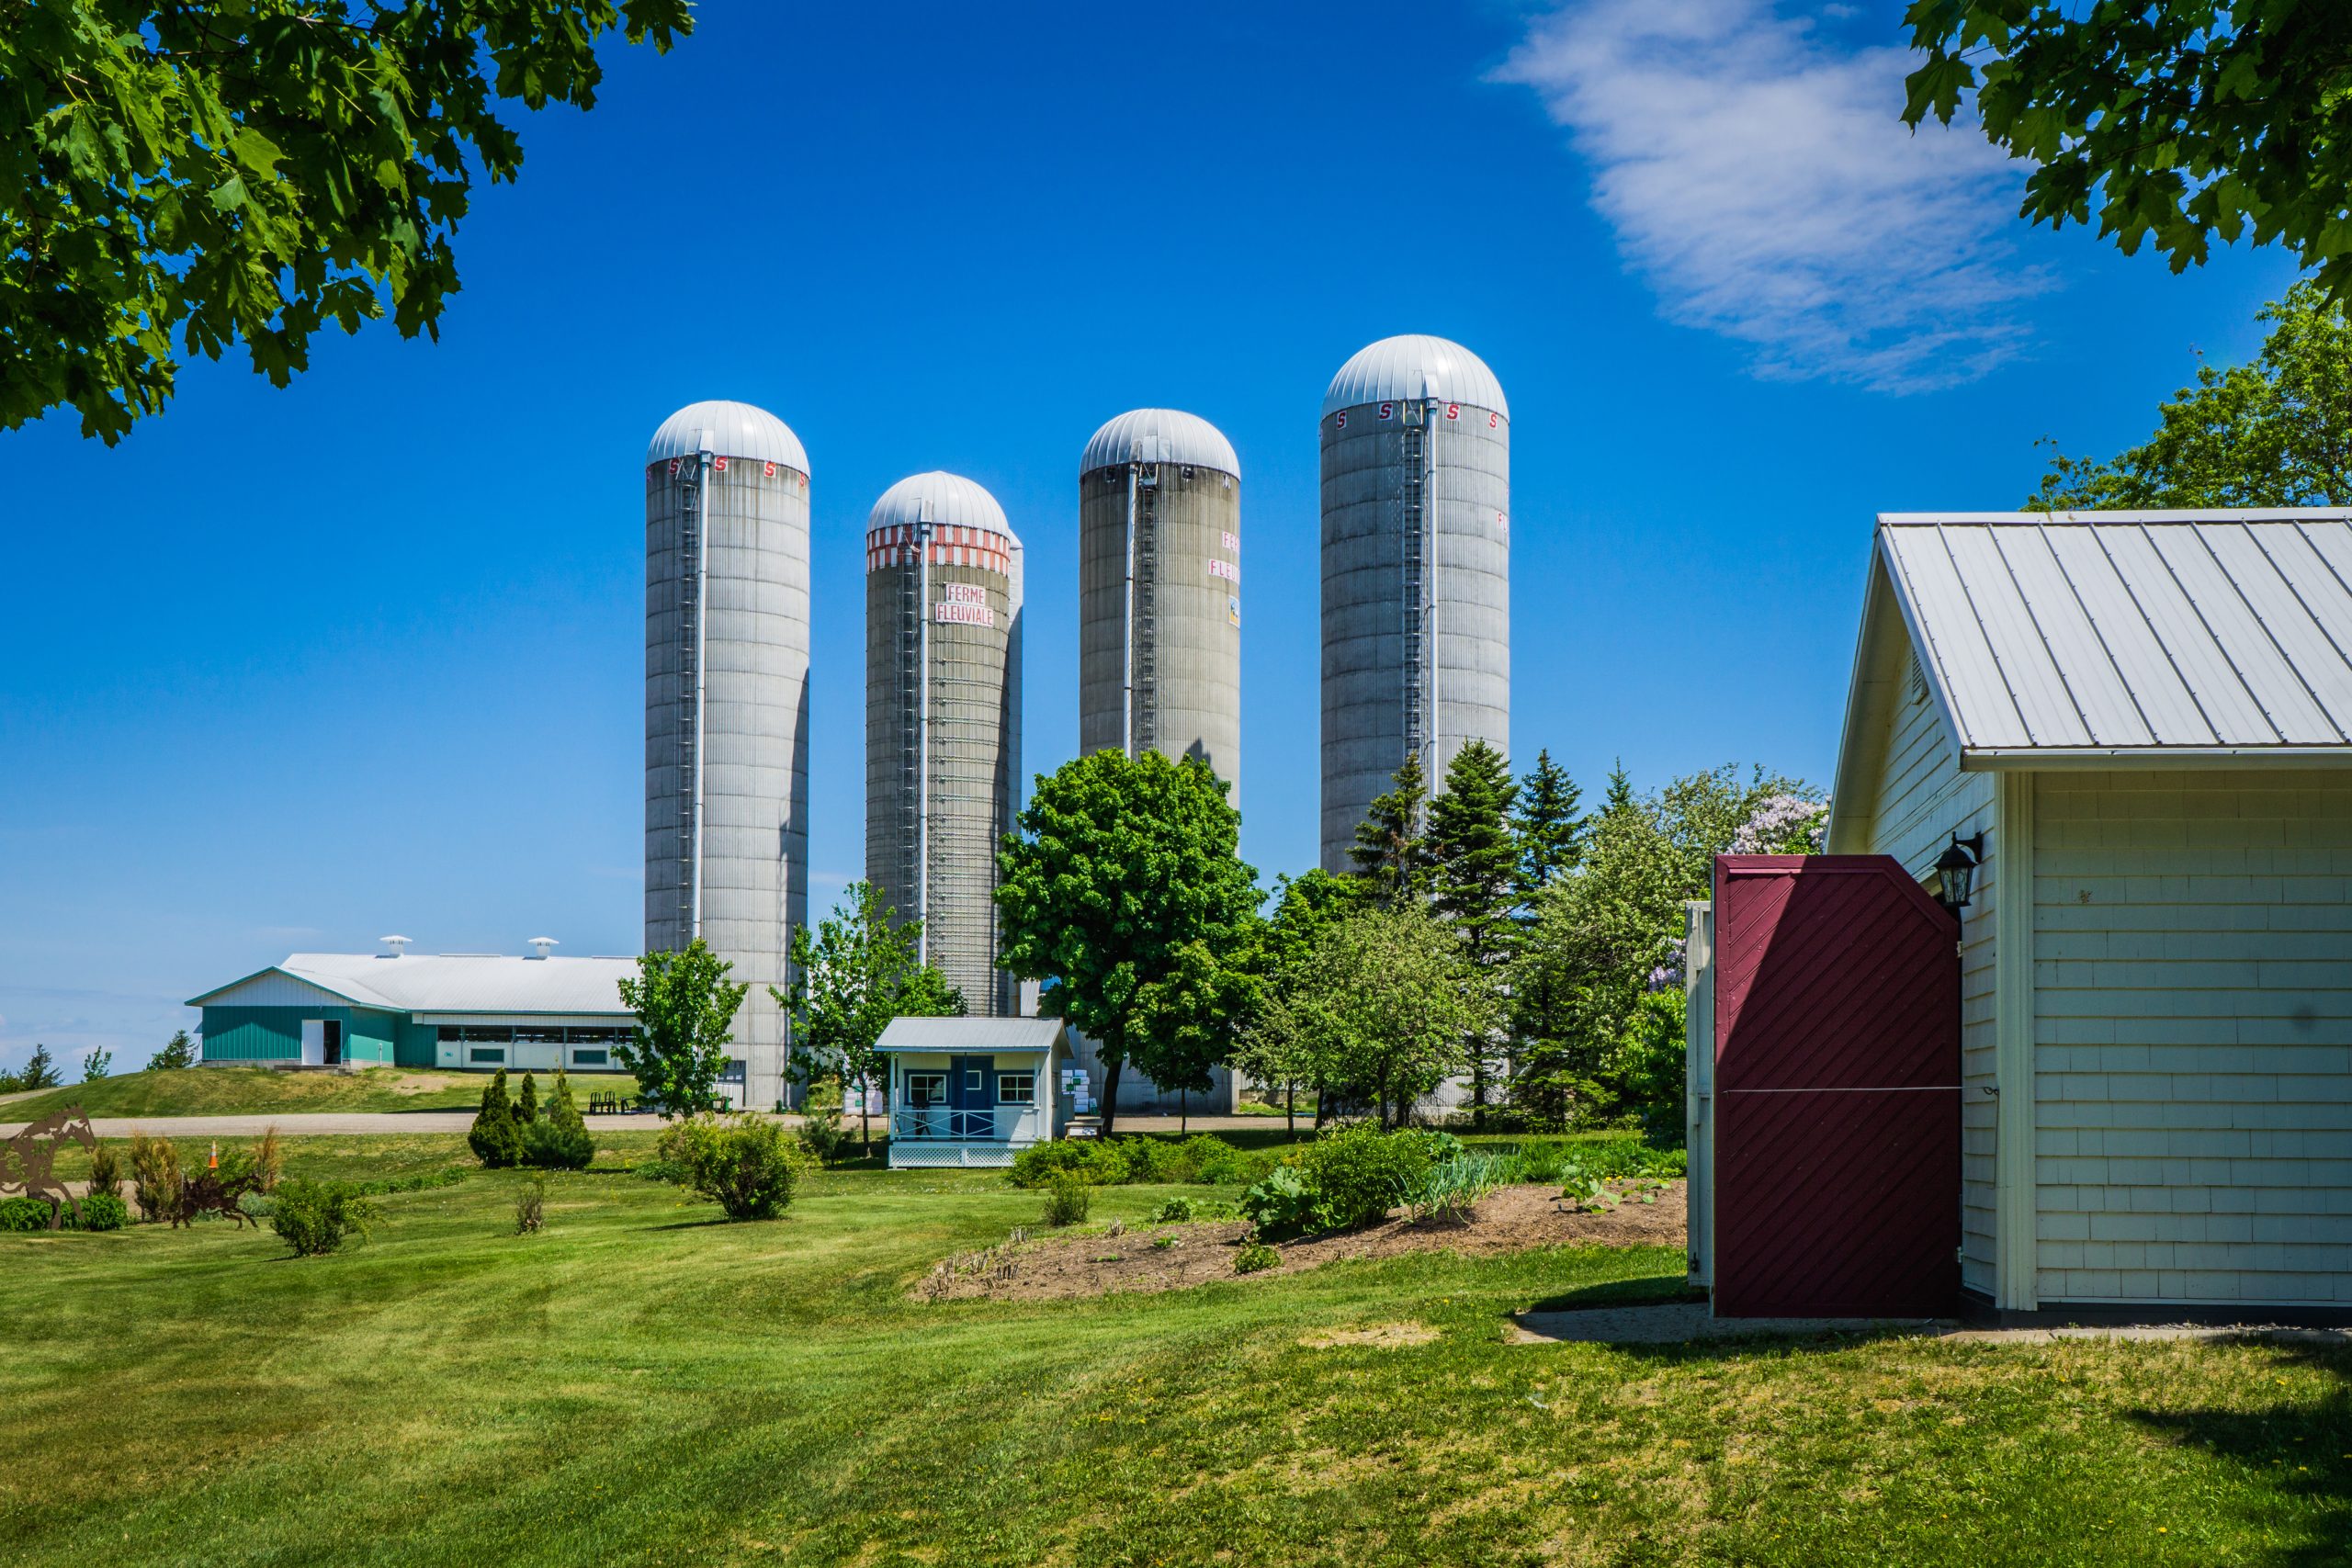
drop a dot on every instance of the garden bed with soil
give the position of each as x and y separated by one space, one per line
1093 1263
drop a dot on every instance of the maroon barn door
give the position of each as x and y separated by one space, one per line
1836 1085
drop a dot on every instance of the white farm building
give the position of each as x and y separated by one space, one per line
2148 719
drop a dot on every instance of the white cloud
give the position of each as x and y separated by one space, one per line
1760 179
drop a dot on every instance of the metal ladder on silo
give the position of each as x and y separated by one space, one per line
910 611
1147 627
690 576
1411 506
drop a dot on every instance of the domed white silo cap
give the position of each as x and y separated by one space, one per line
948 500
1160 436
729 430
1414 367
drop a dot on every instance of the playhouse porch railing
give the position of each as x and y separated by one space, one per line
939 1123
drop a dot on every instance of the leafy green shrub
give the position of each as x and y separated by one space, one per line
822 1137
740 1163
1068 1198
556 1146
1143 1159
314 1218
1091 1160
105 1171
1280 1201
155 1175
1183 1210
1359 1173
1254 1255
495 1137
105 1212
23 1214
256 1205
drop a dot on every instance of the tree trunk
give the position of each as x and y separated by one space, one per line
1110 1066
1183 1111
1290 1110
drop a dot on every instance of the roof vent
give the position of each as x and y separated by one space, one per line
543 945
399 944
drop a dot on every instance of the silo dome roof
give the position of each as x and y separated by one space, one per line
733 430
1160 436
1401 369
956 502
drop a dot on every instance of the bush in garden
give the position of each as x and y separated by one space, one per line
314 1218
557 1140
741 1164
1255 1256
526 1104
495 1138
268 1160
822 1137
1068 1198
1039 1163
23 1214
1280 1201
555 1145
155 1175
105 1212
106 1172
1181 1210
1359 1173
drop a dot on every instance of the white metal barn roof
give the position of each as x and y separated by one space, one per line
975 1034
2106 634
734 430
459 983
1160 436
1413 367
954 501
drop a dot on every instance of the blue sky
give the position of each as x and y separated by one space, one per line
289 670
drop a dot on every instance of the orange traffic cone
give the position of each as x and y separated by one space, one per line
214 1163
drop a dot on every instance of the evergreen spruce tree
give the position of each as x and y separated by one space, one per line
558 1140
1551 830
1390 852
526 1104
1621 791
1474 858
495 1138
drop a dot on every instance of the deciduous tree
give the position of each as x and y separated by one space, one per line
685 1016
1120 863
1382 1008
2275 433
851 976
2180 119
182 175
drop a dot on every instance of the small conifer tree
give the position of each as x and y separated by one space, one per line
526 1104
494 1137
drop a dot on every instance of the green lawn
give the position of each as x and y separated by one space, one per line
231 1092
643 1384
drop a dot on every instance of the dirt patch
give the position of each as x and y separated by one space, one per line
1171 1257
1379 1335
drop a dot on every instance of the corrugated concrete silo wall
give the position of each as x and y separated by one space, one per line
750 597
939 797
1416 596
1160 658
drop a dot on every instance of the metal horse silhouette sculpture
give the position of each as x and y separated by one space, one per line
214 1192
32 1152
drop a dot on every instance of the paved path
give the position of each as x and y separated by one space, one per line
1680 1322
346 1123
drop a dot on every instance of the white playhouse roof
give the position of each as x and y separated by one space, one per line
978 1036
2106 636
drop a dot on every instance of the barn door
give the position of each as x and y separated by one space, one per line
1836 1090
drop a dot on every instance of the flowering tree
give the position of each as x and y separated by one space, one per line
1783 825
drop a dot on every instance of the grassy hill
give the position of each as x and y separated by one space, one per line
642 1384
232 1091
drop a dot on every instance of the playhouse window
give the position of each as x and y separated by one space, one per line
926 1089
1016 1088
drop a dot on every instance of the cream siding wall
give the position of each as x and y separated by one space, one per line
2193 1028
1923 798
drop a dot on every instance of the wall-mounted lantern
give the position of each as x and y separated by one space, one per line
1956 872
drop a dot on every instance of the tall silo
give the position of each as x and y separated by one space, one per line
1160 590
1416 571
942 719
727 707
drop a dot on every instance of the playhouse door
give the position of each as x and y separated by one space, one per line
1836 1090
971 1093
